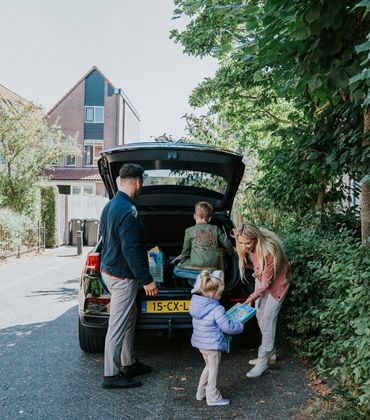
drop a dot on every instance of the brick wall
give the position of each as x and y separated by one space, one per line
71 117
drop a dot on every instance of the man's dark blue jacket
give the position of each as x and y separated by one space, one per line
123 252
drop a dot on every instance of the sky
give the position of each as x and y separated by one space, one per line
48 45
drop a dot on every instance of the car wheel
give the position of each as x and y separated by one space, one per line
89 343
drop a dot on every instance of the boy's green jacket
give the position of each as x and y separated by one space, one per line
201 247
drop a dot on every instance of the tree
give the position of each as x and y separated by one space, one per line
301 51
27 146
364 77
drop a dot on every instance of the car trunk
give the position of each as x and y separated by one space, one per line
177 176
166 230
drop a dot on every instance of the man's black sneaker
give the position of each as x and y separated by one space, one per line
138 368
120 381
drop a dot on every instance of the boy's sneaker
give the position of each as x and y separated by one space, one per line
138 368
120 381
222 401
199 397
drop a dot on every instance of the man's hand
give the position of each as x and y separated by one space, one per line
151 289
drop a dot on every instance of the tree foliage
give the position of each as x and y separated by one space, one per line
284 86
297 48
27 146
293 87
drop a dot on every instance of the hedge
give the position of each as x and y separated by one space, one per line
15 230
326 314
49 215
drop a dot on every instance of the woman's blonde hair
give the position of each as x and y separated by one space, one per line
210 284
267 243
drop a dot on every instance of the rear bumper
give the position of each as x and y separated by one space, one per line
98 325
94 325
168 322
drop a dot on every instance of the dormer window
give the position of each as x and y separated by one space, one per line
94 114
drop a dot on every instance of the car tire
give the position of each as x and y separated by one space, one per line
89 343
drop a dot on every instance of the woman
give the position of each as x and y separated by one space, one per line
261 250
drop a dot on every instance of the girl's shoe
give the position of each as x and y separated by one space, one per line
222 401
271 360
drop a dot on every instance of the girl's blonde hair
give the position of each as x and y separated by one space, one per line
266 243
210 284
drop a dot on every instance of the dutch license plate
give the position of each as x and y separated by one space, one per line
165 306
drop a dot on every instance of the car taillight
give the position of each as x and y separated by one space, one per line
96 305
92 263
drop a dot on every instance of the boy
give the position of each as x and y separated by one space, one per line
202 241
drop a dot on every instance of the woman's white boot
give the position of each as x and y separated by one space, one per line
260 367
271 360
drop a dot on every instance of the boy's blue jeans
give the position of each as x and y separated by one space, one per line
186 273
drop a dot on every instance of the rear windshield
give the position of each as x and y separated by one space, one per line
185 178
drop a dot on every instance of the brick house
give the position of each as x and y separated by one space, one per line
9 98
101 116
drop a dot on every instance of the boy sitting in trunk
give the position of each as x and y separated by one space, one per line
202 242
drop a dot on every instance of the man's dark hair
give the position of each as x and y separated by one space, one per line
131 170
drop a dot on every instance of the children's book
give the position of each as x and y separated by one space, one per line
239 312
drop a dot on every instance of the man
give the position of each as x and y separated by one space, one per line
124 267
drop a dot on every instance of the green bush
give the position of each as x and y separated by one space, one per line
15 230
49 215
326 315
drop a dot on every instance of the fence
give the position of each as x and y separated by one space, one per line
30 240
77 207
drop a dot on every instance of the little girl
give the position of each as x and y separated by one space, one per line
209 326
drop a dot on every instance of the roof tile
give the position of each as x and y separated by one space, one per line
73 174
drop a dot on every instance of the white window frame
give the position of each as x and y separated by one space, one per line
68 165
94 108
92 143
83 186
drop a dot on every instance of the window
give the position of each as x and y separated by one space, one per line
92 152
71 160
186 178
94 114
83 189
89 114
99 114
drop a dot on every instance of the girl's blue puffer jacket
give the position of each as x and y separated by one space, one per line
210 324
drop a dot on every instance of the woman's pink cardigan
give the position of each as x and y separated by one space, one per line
277 288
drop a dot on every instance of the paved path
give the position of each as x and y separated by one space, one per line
45 375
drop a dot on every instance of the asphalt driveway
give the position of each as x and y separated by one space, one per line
45 375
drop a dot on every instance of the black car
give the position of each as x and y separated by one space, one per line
177 175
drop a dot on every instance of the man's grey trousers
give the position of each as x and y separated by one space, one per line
119 341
